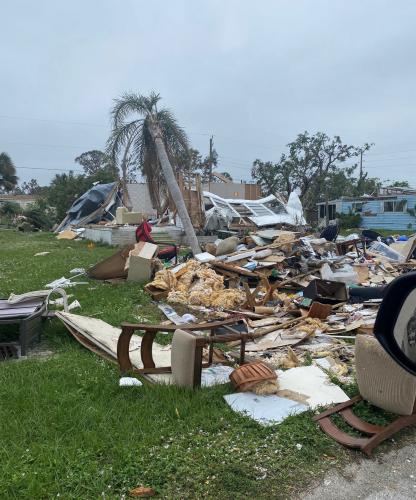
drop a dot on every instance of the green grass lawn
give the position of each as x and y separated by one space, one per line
68 430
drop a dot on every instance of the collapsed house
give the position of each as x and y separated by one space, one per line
101 212
265 212
97 204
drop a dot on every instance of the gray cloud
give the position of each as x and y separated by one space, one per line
252 74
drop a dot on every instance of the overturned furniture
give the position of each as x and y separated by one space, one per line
383 380
187 348
27 315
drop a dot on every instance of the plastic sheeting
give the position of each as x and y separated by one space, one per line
263 212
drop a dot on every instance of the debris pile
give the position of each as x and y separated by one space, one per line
196 284
303 298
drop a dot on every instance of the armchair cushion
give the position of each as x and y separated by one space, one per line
382 381
183 358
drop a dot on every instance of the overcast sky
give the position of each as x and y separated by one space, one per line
253 74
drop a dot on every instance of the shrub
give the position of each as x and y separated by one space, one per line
40 215
10 208
349 221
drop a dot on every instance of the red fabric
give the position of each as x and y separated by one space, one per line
143 234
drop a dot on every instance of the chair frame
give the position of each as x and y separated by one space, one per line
150 331
377 433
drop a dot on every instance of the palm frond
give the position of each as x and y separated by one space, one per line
128 103
121 135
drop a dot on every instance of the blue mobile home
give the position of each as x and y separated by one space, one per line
394 209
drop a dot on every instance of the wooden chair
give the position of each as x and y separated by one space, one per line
187 348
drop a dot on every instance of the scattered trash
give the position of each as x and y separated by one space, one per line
172 315
67 235
129 382
142 491
39 254
74 305
77 270
66 282
267 410
300 301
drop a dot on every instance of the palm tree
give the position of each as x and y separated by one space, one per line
155 139
8 177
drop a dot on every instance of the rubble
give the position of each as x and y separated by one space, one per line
302 300
196 284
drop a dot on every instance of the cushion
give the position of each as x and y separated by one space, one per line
381 380
183 358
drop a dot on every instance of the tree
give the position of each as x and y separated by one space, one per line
10 208
206 167
8 177
157 140
309 165
399 184
95 161
64 190
31 187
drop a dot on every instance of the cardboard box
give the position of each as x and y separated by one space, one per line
140 261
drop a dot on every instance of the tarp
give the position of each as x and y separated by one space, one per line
98 203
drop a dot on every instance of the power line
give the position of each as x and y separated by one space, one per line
89 124
46 145
226 141
47 120
51 169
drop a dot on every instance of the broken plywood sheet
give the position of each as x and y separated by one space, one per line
273 340
309 385
266 410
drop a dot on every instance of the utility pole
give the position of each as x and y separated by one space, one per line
360 182
211 142
326 208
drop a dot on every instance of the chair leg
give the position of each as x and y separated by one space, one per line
377 434
146 350
242 350
391 429
197 367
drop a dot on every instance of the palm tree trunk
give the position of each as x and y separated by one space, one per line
174 190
